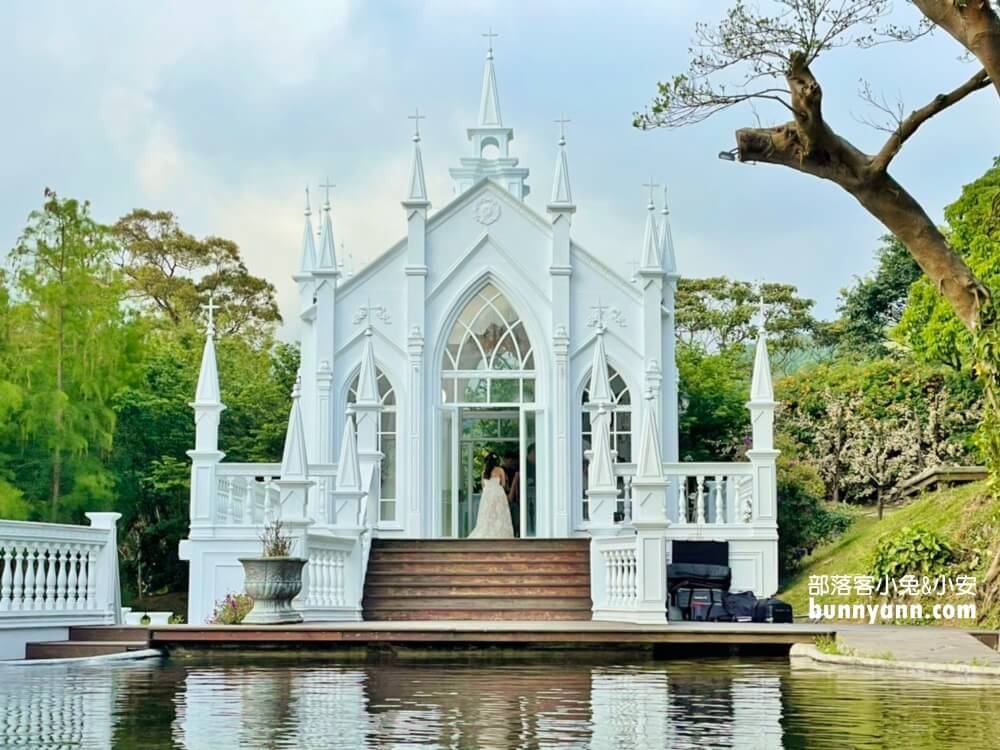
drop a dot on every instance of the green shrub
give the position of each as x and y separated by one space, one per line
231 610
805 520
912 550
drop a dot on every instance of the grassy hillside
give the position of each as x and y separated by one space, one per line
965 516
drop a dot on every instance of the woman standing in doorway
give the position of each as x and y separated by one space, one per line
493 520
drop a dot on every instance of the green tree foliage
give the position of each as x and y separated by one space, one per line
873 306
929 327
718 313
714 388
74 345
100 346
171 272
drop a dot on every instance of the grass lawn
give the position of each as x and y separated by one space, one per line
965 516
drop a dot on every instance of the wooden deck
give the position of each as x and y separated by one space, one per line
417 634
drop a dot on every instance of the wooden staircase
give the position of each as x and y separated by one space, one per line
478 579
96 640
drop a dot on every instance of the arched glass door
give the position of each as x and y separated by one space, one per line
488 397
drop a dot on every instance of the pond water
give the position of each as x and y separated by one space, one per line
279 702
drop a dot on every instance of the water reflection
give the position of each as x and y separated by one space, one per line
281 703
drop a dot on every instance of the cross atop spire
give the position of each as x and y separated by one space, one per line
210 309
490 36
561 122
327 186
652 186
416 117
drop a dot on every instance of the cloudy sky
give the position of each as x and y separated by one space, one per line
223 111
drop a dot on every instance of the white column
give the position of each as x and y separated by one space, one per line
109 596
418 481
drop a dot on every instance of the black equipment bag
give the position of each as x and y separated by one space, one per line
772 610
740 605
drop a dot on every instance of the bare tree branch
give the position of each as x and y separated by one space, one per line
906 128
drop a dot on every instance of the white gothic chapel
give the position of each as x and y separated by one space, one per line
486 328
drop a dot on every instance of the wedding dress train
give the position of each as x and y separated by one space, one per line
493 521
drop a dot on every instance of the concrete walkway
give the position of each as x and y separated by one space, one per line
916 645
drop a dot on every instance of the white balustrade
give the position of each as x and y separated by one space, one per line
56 575
326 580
620 572
700 494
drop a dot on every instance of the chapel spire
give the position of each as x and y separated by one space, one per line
489 100
207 402
667 257
561 193
650 243
417 189
761 388
491 157
307 257
327 263
294 464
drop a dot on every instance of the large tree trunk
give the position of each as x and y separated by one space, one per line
973 24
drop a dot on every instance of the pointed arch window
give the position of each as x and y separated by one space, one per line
621 427
386 442
488 357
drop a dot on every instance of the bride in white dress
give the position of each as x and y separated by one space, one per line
493 521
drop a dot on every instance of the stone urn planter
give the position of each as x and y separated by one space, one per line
272 583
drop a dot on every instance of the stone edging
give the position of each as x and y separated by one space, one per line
809 651
146 653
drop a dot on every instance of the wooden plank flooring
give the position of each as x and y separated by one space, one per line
569 633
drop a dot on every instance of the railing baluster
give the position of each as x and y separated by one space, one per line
17 598
720 509
51 578
72 594
682 500
60 579
29 576
700 508
6 579
40 602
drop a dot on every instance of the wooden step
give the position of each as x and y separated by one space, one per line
78 649
528 546
396 578
476 614
477 602
472 568
484 556
478 579
469 590
108 633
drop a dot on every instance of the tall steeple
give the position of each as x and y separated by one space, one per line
561 193
761 388
307 257
650 242
489 101
327 263
416 193
294 464
667 257
207 402
490 142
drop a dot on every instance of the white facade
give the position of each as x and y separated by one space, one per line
482 330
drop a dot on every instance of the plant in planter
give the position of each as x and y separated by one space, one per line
273 580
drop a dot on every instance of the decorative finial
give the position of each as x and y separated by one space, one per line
416 117
596 319
308 208
326 186
562 127
652 186
368 313
666 209
490 36
297 386
210 308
